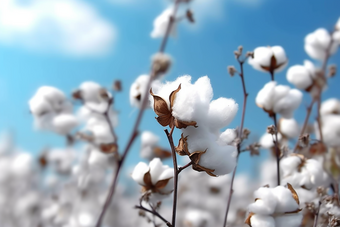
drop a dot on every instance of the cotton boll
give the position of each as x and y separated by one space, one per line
227 137
192 101
53 96
289 127
317 43
265 203
258 220
39 106
138 173
278 99
285 200
138 89
265 96
64 123
221 112
160 24
291 220
301 76
262 60
330 106
286 105
330 130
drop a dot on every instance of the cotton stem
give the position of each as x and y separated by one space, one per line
174 159
245 95
277 151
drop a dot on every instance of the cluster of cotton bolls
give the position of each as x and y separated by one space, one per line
275 207
191 108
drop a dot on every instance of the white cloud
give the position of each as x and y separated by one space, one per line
67 26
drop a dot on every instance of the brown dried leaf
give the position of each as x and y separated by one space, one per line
117 85
293 212
77 94
108 148
161 184
294 194
318 148
161 109
182 148
161 153
173 96
247 221
147 180
195 159
183 124
43 160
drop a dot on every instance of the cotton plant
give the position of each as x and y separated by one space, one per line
189 107
269 59
275 207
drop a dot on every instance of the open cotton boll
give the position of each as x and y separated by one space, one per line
285 200
302 76
217 157
279 99
258 220
287 104
192 101
98 158
264 98
289 127
262 60
227 137
197 218
265 203
138 89
330 106
221 112
64 123
158 173
317 43
53 96
161 22
90 91
330 126
299 172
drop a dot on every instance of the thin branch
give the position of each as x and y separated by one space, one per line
245 95
318 117
277 151
309 111
231 190
316 216
134 132
180 169
154 212
174 159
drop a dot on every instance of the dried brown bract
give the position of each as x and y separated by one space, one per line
165 117
155 188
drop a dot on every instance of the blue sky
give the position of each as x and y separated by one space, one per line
205 48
